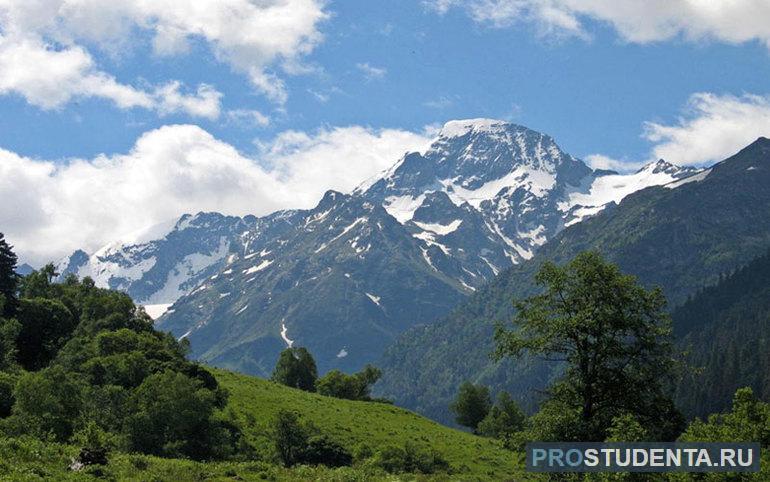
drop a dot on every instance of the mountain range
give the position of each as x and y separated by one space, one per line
355 272
682 236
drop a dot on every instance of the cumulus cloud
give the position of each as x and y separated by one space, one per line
44 56
636 21
710 129
49 209
50 78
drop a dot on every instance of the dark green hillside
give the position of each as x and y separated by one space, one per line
681 239
725 330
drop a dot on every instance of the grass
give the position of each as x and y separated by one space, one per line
354 424
254 402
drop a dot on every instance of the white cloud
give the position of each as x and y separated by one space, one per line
205 102
734 21
600 161
50 78
248 118
371 72
50 209
711 128
43 54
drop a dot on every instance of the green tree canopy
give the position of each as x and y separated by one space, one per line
296 368
504 419
172 416
46 325
352 387
9 280
471 405
48 401
614 338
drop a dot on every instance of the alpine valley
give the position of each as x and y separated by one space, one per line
348 277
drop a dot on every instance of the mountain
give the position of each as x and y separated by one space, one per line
725 331
349 275
158 265
402 249
680 236
24 269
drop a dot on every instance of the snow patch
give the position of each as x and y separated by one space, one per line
375 299
696 178
285 337
440 229
459 128
156 311
263 265
403 207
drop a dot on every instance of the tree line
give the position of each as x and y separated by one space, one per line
614 340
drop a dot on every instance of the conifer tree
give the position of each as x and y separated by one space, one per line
9 280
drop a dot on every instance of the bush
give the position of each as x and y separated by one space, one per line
321 450
298 443
410 459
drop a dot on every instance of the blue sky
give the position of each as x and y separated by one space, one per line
288 86
592 95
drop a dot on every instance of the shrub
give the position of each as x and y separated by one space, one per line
321 450
410 459
298 443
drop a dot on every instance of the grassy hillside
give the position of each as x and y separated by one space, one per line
256 401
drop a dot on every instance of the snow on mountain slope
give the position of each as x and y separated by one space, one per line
360 268
612 188
158 265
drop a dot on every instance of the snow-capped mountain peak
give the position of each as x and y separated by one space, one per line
159 264
662 166
400 249
460 128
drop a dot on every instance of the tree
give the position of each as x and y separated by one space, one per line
504 419
351 387
302 443
289 437
172 416
748 421
614 338
9 280
471 405
9 332
297 369
48 401
46 325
